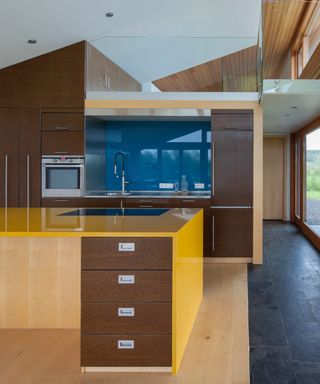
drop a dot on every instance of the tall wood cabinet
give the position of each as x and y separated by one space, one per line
232 175
20 144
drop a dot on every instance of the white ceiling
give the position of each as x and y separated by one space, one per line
148 38
276 107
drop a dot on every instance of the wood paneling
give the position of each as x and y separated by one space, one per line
55 79
232 73
206 77
39 282
273 178
283 21
61 121
217 352
98 67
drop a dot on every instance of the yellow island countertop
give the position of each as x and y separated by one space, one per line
93 222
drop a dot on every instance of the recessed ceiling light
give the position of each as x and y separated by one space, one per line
278 126
294 107
32 41
287 115
109 14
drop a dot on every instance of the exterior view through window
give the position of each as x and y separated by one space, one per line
313 180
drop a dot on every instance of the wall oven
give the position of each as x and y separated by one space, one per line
62 176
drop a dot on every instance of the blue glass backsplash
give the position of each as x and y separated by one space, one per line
155 152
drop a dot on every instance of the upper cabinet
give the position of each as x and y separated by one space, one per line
62 133
102 74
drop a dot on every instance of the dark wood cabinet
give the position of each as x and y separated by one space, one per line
62 143
20 144
62 122
147 203
107 202
236 120
232 231
126 302
74 202
232 168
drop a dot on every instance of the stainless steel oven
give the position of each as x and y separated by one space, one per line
62 176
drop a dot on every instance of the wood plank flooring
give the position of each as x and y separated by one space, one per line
218 350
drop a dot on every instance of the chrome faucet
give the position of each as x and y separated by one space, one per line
123 175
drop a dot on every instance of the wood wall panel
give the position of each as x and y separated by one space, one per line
312 69
55 79
273 178
39 282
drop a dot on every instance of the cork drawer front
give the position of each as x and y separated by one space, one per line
126 350
126 253
130 318
126 286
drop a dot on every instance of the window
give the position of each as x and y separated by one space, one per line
312 180
297 177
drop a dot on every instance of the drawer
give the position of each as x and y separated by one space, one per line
62 122
62 143
147 203
73 202
130 318
190 202
233 121
108 202
126 286
126 351
137 253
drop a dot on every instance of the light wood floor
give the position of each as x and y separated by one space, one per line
217 353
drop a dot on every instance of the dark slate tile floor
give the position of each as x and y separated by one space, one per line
284 309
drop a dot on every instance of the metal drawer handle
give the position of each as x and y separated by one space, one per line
126 247
126 279
61 153
145 206
125 344
188 201
61 128
61 201
125 312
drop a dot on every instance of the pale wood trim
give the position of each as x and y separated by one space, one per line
125 369
171 104
39 282
226 260
258 187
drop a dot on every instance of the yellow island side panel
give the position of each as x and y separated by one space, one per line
187 285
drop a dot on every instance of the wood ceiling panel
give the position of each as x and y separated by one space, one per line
282 21
232 73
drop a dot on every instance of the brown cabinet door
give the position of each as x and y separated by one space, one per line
130 318
232 168
126 253
30 155
126 350
132 202
9 158
236 120
107 202
126 286
62 122
62 143
74 202
231 232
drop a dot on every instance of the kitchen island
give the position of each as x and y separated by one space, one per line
140 272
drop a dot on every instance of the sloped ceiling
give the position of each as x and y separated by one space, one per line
149 39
